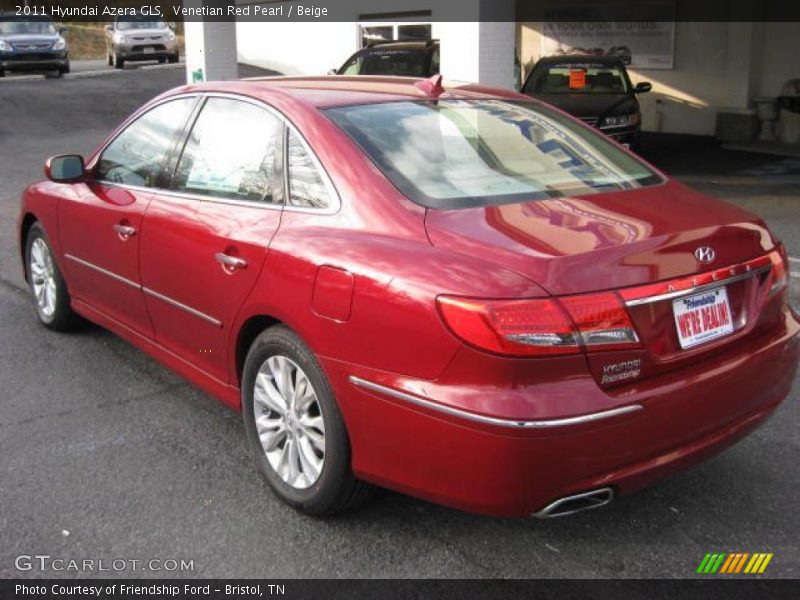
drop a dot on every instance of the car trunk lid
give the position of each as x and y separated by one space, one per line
638 244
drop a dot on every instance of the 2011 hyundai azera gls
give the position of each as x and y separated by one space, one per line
455 292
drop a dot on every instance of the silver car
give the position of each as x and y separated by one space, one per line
140 38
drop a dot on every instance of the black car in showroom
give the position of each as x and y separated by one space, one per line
596 89
32 44
415 58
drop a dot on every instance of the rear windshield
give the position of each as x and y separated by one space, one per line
31 27
410 63
466 153
578 78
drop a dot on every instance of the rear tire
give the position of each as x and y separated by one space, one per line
47 285
2 73
280 366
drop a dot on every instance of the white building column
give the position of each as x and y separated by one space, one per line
480 50
210 49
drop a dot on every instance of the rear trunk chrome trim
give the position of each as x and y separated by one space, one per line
699 288
477 418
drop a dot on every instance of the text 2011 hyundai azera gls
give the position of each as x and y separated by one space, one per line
462 294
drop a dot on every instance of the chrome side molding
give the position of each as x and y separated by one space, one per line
148 291
478 418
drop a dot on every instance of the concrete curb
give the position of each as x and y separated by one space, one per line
90 74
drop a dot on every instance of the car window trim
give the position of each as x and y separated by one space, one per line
180 149
336 201
180 131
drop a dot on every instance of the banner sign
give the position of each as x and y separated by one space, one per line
645 41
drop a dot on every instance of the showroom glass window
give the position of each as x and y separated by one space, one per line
307 188
232 153
136 156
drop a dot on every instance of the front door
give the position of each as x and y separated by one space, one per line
204 242
100 222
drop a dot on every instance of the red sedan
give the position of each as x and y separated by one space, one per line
461 294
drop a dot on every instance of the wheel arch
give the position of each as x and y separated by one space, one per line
28 221
246 335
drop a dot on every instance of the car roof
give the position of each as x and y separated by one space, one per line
342 90
579 58
403 45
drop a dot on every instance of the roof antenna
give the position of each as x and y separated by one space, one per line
432 86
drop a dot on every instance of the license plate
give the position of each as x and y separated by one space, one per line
149 50
702 317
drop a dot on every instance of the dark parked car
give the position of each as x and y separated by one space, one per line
140 38
410 59
32 44
596 89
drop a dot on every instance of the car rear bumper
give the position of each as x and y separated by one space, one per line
507 470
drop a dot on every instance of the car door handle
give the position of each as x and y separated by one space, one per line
124 231
230 262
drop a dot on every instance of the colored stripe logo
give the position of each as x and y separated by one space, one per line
734 563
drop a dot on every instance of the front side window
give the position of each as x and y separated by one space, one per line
232 152
137 155
307 188
462 153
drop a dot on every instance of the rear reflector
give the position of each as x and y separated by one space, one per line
539 327
779 277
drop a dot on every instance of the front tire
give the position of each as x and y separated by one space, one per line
294 426
174 58
119 63
47 285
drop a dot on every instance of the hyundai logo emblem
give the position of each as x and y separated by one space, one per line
705 254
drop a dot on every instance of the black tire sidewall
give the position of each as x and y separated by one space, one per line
325 493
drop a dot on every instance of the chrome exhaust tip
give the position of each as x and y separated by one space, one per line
569 505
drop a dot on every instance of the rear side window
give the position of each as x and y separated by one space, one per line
232 152
462 153
137 155
307 187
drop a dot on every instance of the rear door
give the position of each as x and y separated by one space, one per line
205 240
100 224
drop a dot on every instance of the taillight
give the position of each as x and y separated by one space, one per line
544 326
779 274
602 321
517 327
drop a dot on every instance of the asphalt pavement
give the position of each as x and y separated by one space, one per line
104 454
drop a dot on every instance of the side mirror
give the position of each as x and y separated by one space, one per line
171 26
642 87
68 168
333 72
63 30
108 28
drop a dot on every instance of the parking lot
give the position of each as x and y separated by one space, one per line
106 454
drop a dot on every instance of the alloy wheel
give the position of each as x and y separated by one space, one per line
43 277
289 423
